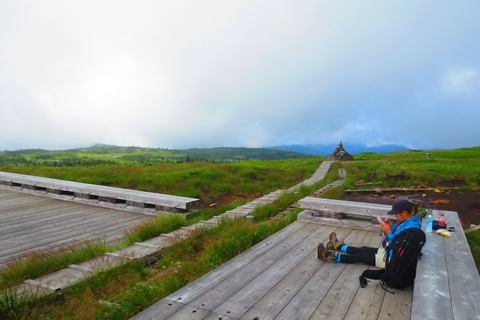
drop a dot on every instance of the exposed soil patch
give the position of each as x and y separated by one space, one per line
453 182
465 203
400 176
226 199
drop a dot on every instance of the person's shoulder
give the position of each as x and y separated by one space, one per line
415 222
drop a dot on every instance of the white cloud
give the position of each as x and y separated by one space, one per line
248 73
462 80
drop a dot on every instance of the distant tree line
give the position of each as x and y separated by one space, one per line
112 155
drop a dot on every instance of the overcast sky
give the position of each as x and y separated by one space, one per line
182 74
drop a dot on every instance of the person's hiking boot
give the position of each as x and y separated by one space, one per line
324 254
334 244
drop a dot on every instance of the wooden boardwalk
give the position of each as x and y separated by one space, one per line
29 222
281 278
97 195
447 285
76 273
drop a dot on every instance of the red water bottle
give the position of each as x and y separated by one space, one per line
441 221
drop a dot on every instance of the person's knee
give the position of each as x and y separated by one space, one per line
380 261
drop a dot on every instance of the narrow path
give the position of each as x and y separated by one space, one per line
78 272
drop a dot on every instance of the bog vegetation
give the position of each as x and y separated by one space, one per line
225 179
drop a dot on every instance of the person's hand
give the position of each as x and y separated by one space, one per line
386 226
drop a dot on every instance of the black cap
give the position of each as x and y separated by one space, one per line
400 206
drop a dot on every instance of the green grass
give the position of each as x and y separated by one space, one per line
473 238
410 169
207 181
154 228
125 291
134 286
37 264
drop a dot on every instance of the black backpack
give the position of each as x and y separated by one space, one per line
401 267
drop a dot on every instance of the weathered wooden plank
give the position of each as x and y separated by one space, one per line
72 190
138 251
226 289
210 280
462 276
348 207
247 296
397 306
272 303
37 231
216 316
367 301
36 223
31 207
305 302
431 294
62 278
220 274
190 313
14 220
61 240
163 309
339 297
67 220
306 216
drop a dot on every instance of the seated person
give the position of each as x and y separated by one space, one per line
403 211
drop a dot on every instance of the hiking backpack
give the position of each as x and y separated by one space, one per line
400 268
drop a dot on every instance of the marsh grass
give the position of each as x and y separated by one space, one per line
124 291
154 228
412 168
13 306
473 238
203 180
39 263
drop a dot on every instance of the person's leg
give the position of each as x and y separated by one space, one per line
334 244
380 258
371 256
356 250
367 258
324 254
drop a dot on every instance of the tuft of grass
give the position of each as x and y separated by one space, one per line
12 304
153 228
266 211
334 193
473 238
41 263
263 212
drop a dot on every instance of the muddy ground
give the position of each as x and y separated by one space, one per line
465 203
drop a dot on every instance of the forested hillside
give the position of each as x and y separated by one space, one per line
110 155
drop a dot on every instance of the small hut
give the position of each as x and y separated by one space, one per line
340 154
